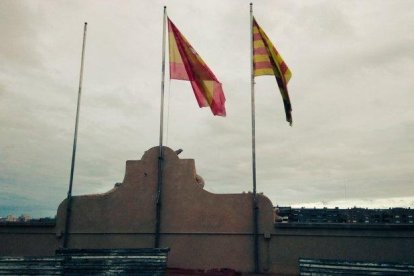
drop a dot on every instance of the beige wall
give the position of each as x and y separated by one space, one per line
364 243
27 240
211 230
203 230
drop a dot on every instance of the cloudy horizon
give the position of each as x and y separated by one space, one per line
352 63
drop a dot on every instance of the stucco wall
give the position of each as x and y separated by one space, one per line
27 239
203 230
211 230
376 243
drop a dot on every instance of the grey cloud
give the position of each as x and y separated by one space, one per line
17 23
351 92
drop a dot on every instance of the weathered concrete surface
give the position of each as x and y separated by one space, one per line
211 230
203 230
372 243
28 240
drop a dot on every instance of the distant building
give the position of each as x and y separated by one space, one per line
24 218
350 215
11 218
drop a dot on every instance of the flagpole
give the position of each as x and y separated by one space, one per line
255 207
161 151
75 138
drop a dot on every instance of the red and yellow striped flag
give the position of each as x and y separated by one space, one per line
186 64
267 61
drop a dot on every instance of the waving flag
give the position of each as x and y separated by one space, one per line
186 64
267 61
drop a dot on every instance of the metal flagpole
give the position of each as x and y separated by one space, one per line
161 153
255 207
72 169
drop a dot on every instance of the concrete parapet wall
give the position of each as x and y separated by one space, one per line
26 239
373 243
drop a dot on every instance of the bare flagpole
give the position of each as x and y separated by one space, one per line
255 207
161 152
75 138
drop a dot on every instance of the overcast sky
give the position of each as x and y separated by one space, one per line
352 93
